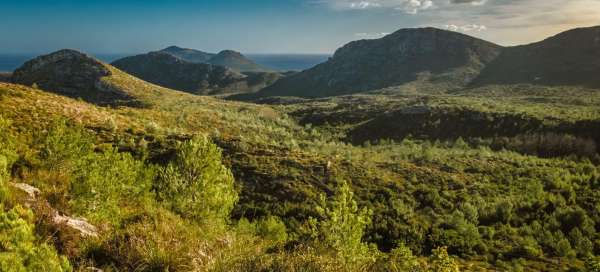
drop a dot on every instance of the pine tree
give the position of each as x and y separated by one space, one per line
196 184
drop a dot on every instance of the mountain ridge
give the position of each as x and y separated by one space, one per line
227 58
169 71
447 59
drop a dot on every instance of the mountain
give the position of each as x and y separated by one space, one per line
191 55
228 58
237 61
405 56
74 74
166 70
569 58
433 59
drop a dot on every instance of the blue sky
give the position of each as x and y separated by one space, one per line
270 26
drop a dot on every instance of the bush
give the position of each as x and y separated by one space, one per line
196 184
20 249
273 229
400 259
7 156
342 226
440 261
107 182
63 146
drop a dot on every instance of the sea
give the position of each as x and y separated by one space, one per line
277 62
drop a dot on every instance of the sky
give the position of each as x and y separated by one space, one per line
271 26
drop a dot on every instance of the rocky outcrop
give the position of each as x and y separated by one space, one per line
32 200
405 56
70 73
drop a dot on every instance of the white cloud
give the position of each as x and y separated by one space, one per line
369 35
465 28
407 6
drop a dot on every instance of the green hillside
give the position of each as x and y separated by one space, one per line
499 177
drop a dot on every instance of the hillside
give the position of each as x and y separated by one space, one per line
237 61
172 72
408 55
227 58
191 55
430 60
569 58
516 191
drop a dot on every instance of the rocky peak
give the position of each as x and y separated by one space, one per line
71 73
405 56
65 71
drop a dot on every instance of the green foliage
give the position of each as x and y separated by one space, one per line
64 145
440 261
21 250
342 225
196 184
100 184
592 264
106 183
273 229
401 259
7 156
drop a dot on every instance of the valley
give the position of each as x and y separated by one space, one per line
425 150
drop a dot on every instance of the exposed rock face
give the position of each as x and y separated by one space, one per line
169 71
569 58
401 57
79 225
69 73
449 60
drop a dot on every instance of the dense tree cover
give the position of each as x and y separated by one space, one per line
174 217
526 202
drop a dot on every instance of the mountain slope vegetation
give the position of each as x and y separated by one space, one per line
479 178
172 72
429 58
226 58
569 58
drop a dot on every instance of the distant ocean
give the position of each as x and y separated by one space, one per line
278 62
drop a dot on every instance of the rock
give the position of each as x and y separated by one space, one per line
80 225
70 73
31 191
408 55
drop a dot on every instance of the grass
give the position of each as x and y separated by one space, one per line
493 208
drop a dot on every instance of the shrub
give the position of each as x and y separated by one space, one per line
440 261
273 229
400 259
342 226
21 251
592 264
107 182
63 146
7 156
196 184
